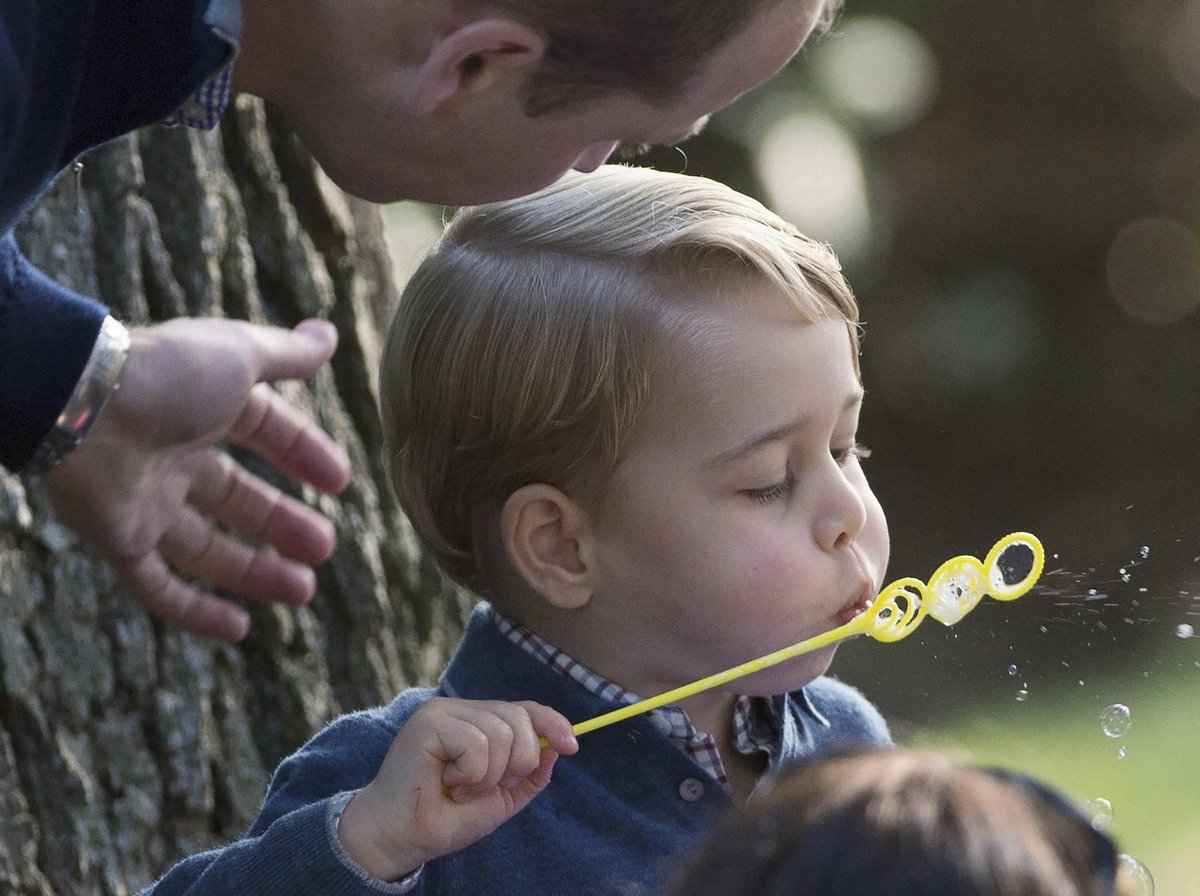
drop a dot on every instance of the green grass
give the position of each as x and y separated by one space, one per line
1056 736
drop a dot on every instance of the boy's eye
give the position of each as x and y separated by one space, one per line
853 451
769 493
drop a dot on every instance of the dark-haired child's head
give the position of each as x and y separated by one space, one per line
903 823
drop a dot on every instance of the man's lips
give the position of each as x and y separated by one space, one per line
857 605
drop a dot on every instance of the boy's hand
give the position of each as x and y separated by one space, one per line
457 770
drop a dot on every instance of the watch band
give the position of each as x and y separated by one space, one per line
97 382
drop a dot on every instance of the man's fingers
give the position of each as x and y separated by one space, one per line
271 427
290 441
292 354
195 548
163 594
259 512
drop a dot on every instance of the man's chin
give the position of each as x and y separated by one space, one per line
450 188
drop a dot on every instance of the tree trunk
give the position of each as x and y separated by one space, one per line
125 745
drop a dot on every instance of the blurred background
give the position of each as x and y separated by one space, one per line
1014 191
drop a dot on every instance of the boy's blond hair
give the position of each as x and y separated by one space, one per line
522 348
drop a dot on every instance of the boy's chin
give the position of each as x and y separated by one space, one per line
786 677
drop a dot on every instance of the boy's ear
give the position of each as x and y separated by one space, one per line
473 58
541 528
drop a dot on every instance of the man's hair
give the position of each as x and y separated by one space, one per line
650 47
522 348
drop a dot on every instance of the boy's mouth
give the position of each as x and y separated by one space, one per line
857 605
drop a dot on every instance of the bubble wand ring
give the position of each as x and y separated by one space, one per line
1012 567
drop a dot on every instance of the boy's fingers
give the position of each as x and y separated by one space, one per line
485 745
464 750
541 775
524 751
515 756
496 727
553 727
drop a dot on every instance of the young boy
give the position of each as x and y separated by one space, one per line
624 410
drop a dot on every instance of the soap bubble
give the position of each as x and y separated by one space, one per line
1183 630
1116 720
1134 876
1022 695
1145 554
1012 670
1099 812
1120 752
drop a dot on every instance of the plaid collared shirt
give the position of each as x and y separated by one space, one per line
204 108
755 725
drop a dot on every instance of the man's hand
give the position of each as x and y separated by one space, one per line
457 770
149 488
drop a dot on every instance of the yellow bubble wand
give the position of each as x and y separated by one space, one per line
1010 569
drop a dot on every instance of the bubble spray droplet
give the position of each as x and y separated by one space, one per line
1116 720
1134 876
1099 812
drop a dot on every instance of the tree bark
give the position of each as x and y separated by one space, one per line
125 745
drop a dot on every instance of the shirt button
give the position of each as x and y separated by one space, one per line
691 789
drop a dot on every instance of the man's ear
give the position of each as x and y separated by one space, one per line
542 530
474 57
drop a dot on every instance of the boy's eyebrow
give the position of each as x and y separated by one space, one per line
775 434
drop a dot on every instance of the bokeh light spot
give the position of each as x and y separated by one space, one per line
1154 270
813 176
1181 46
410 229
878 70
975 339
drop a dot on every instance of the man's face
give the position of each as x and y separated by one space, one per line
488 149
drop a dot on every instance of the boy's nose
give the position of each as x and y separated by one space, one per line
843 513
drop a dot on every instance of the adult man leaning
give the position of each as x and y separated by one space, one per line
451 101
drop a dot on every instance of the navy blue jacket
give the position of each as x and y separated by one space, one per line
73 74
617 818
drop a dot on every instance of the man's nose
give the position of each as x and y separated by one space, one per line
594 156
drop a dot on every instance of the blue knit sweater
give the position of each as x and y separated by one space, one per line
617 818
73 74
